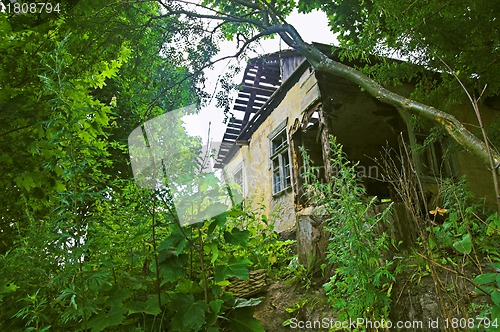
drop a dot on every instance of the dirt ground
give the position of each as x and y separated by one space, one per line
306 305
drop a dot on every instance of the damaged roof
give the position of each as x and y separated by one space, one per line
262 77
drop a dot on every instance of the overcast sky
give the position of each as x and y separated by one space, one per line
312 27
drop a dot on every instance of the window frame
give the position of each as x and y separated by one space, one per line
237 174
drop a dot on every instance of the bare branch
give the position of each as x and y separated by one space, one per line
270 31
248 4
215 15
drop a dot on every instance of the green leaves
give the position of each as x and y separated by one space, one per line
172 267
489 283
464 246
235 267
493 222
382 27
149 307
114 317
243 320
25 181
360 285
483 279
175 242
237 237
190 314
6 287
495 297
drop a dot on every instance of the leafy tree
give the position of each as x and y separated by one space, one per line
73 85
430 33
83 248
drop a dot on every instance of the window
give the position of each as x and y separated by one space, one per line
238 177
238 189
280 162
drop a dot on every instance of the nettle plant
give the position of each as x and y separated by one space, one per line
363 279
193 266
177 278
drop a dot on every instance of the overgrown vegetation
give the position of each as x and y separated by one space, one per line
173 279
457 243
362 279
82 248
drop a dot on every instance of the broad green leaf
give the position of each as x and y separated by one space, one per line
242 320
224 283
104 320
194 315
171 269
235 213
190 313
237 237
495 297
486 278
214 249
5 27
217 221
238 268
187 286
235 267
176 241
495 315
464 246
432 242
119 295
216 305
150 307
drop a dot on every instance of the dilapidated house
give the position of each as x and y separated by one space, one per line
283 104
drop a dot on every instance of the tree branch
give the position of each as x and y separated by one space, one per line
266 32
450 123
215 16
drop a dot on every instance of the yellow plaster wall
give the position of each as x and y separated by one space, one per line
256 157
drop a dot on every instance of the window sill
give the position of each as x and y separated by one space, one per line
282 192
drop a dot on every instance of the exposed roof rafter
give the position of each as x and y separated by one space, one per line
261 78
